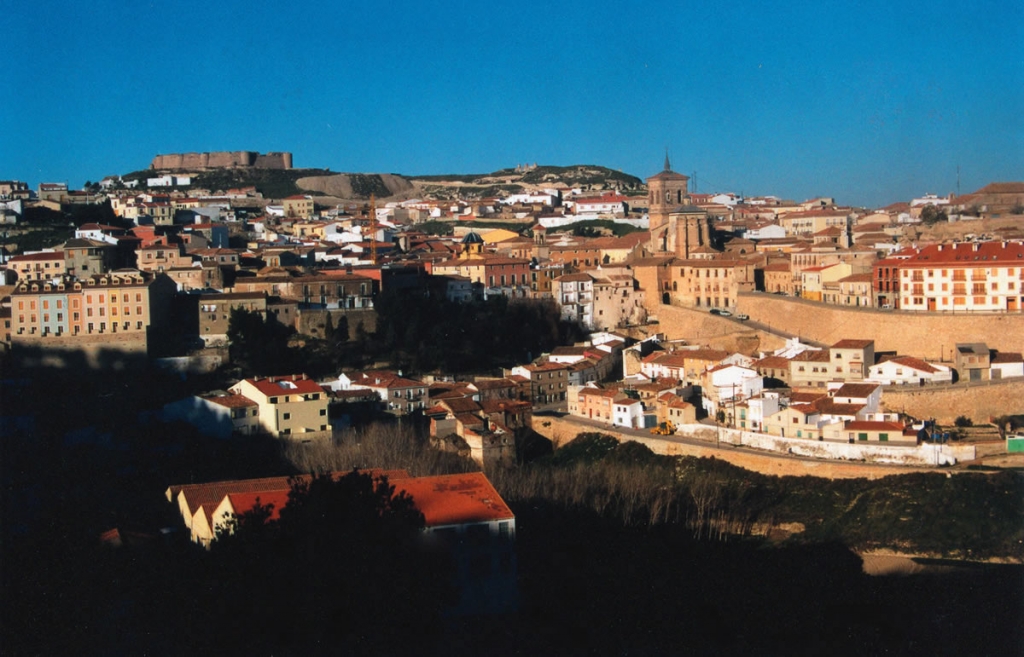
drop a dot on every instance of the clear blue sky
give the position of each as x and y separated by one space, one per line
869 102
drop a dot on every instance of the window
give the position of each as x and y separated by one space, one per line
862 436
286 416
883 437
323 411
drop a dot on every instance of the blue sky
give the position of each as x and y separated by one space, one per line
868 102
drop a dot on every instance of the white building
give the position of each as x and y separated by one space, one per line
628 413
907 370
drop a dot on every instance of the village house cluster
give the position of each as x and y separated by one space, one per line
184 259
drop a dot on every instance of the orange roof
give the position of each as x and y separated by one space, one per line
964 254
244 502
456 499
231 401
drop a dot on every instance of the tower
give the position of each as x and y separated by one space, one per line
666 191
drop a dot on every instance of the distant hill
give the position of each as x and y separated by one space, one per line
277 184
589 177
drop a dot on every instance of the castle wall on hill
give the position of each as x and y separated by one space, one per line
222 160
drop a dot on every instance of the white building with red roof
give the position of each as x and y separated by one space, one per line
400 394
907 370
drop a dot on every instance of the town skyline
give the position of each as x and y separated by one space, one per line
867 105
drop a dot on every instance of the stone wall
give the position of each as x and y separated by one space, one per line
926 335
562 430
979 401
116 351
222 159
313 322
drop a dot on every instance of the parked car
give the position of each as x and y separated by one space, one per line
742 317
725 313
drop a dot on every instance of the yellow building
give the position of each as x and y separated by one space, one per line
288 405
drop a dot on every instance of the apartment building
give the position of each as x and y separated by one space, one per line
963 277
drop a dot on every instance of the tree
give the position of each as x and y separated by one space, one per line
931 215
346 562
257 344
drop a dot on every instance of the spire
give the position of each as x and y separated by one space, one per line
668 166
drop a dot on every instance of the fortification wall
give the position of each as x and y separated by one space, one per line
222 160
978 401
926 335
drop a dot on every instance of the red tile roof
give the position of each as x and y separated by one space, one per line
456 499
231 401
858 390
974 254
283 385
853 344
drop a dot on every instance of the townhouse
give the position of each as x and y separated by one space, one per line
399 394
542 383
846 360
41 266
122 303
291 406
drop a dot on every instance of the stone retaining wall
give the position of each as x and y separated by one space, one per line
562 430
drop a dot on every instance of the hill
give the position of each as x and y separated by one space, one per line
520 180
338 187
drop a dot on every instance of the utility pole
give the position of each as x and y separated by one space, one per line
373 229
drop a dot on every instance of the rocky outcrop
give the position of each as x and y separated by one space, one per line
358 185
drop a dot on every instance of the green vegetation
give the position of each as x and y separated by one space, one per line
961 516
514 225
442 228
931 215
597 228
272 183
582 175
259 346
470 191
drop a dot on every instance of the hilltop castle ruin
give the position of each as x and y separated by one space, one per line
222 160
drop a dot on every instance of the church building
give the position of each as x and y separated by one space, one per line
677 227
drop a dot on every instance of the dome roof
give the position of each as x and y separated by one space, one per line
472 238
